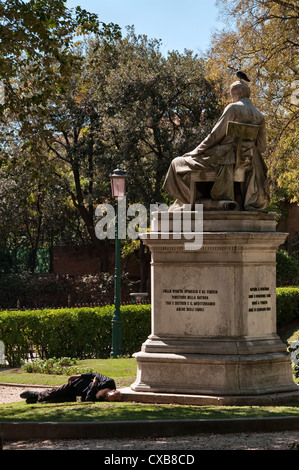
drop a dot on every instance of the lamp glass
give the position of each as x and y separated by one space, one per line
118 183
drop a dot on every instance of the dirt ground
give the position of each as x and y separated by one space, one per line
288 440
242 441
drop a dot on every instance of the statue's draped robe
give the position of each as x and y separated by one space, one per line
217 152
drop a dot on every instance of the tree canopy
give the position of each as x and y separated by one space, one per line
82 99
78 107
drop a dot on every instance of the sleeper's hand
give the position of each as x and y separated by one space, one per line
73 377
95 381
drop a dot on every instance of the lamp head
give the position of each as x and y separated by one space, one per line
118 183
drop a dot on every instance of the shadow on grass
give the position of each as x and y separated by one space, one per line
67 412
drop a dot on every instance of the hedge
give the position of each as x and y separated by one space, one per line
86 332
287 304
72 332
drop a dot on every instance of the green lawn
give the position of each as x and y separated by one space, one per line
104 411
123 370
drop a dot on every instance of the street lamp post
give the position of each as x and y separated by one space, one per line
118 188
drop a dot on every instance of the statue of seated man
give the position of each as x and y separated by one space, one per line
217 153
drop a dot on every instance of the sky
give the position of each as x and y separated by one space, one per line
180 24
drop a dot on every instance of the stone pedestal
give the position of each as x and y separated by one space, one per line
214 310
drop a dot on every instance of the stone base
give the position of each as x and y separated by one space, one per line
214 365
225 345
216 221
209 374
130 395
214 311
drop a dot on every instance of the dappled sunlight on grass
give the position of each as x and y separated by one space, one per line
134 411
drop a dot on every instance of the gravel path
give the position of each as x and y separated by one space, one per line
242 441
9 394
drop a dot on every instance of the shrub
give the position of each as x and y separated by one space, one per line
42 291
287 304
62 366
287 269
78 332
293 350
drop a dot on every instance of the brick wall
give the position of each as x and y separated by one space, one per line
88 259
79 260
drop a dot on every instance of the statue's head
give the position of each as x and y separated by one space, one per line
239 90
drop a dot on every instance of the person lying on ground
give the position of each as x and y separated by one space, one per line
88 386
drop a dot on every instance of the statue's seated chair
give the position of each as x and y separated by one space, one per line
241 132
